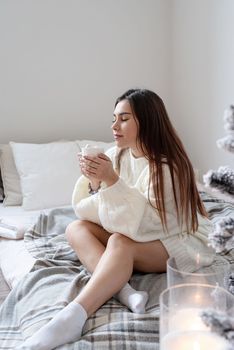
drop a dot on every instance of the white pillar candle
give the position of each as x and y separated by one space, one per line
181 323
186 319
194 340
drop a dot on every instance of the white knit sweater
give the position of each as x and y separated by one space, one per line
124 208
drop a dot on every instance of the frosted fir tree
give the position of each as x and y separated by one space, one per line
222 237
221 182
227 142
220 323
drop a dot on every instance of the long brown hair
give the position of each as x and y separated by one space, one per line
161 145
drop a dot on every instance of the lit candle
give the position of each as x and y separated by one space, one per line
187 331
187 319
181 323
194 340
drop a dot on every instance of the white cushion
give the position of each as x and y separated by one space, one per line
10 177
47 172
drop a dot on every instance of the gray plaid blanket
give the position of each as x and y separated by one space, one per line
58 276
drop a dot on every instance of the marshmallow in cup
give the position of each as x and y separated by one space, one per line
89 150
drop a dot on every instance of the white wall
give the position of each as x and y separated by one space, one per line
202 76
64 62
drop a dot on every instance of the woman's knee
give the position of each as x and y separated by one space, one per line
73 230
117 240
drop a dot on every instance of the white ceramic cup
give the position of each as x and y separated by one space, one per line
89 150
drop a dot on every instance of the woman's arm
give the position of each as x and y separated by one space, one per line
126 209
84 203
81 190
121 208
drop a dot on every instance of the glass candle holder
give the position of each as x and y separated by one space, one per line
215 273
181 324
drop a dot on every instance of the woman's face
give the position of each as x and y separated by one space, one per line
125 128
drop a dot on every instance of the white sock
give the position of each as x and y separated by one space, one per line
135 300
64 328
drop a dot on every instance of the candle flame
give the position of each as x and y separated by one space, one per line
197 298
198 260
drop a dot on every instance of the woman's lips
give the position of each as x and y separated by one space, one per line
116 136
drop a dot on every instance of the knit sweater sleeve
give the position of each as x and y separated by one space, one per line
84 204
121 208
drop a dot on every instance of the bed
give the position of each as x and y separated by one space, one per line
45 275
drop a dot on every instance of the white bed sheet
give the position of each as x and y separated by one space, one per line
15 260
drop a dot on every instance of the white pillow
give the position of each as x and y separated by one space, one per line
48 173
10 177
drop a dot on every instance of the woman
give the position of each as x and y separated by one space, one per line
144 207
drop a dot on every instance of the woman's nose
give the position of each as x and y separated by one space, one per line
115 126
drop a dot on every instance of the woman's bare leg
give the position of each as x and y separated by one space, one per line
112 272
89 242
110 275
120 257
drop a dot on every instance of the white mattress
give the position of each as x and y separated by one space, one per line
16 210
15 260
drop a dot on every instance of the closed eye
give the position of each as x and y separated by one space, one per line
122 120
122 117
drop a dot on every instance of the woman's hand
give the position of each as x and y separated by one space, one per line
98 168
95 184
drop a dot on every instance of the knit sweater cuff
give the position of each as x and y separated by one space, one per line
185 250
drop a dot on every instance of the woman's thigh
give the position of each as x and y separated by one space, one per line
84 227
147 257
150 256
